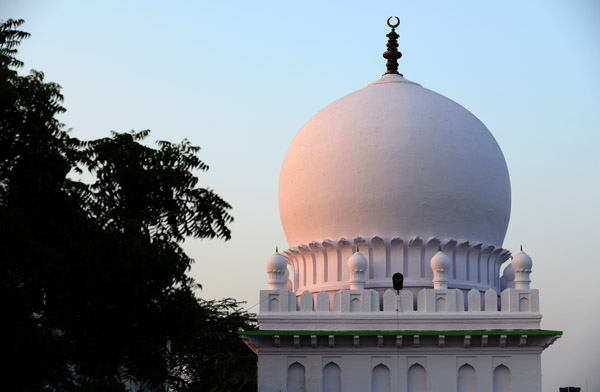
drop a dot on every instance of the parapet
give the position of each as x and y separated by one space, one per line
445 309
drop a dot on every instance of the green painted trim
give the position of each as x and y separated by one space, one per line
403 333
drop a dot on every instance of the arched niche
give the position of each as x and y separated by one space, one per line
274 304
431 248
380 379
415 261
311 264
397 256
462 271
296 378
334 261
502 382
332 378
524 304
466 380
320 258
416 379
346 250
473 261
381 266
441 304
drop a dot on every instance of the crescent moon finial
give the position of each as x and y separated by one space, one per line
393 26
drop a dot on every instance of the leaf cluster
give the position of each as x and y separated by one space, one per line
154 190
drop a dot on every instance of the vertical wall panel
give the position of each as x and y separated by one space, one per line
502 382
416 380
332 378
467 381
296 378
380 380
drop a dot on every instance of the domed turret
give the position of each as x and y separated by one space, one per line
508 278
440 264
357 265
276 268
521 264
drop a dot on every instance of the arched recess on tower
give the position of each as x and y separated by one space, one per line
416 380
380 380
332 378
502 379
296 378
466 380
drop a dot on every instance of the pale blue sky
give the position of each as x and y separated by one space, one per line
240 78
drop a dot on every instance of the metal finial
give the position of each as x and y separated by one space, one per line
391 54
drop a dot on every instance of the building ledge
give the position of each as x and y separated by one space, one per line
406 333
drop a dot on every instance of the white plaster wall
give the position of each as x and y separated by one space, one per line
441 365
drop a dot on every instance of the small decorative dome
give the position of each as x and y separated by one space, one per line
276 263
357 265
521 265
440 264
276 269
509 273
507 281
522 261
357 262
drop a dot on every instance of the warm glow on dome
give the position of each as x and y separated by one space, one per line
394 160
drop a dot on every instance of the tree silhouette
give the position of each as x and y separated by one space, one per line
93 283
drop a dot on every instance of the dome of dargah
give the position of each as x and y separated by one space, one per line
394 160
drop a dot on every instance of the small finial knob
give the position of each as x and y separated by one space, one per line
391 54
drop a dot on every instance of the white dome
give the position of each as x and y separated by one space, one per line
357 266
276 269
509 274
441 262
276 263
357 262
394 160
522 262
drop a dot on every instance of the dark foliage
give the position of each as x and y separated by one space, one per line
93 284
213 360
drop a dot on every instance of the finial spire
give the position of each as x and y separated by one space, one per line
391 54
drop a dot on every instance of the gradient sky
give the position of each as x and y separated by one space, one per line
240 79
